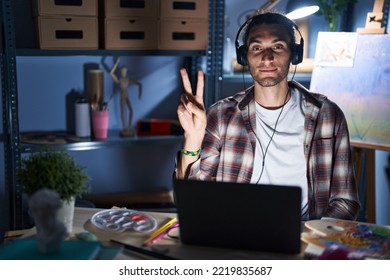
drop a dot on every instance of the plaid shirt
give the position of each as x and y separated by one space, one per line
229 147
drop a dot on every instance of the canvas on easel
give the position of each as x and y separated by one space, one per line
353 70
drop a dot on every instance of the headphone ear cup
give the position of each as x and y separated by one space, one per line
242 55
297 54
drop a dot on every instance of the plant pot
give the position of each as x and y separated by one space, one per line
65 214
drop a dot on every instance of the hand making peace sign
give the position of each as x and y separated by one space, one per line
191 112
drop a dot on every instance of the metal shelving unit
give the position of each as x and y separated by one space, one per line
113 139
38 52
214 54
11 134
13 149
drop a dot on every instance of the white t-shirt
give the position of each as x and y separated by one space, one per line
284 160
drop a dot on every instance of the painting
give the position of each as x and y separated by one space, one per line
353 70
368 241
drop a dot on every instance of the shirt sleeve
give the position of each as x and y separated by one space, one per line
205 168
343 201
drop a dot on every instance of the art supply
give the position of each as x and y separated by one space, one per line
83 119
100 124
164 234
118 220
369 241
160 231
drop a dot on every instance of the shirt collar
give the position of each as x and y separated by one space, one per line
244 99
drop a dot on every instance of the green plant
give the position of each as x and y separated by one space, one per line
56 170
332 9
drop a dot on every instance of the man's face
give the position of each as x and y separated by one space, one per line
268 54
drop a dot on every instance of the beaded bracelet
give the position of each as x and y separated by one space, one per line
191 153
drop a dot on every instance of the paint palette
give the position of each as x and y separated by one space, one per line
118 220
369 240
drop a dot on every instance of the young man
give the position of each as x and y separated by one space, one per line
275 132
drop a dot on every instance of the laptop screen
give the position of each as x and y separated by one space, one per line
240 216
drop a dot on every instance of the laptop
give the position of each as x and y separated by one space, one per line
239 216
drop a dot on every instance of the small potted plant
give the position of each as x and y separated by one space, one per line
332 9
58 171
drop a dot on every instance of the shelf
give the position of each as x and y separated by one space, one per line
18 41
237 77
101 52
113 140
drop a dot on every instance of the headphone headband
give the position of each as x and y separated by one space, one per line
296 49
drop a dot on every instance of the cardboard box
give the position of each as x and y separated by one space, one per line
65 7
131 33
129 8
183 34
67 32
189 9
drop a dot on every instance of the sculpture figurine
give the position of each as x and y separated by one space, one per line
44 204
124 82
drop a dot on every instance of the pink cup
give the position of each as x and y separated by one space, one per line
100 124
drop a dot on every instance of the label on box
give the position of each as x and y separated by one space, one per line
176 34
131 33
131 8
65 7
189 9
67 32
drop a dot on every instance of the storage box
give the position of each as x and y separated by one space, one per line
65 7
148 127
183 34
189 9
129 8
131 33
67 32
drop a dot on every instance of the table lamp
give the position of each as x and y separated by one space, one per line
267 6
301 9
295 9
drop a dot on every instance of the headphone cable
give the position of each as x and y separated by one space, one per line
243 77
264 153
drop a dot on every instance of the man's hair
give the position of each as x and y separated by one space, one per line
272 18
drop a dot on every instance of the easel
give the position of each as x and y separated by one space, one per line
364 160
374 25
374 21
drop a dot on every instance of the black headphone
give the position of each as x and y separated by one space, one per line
296 49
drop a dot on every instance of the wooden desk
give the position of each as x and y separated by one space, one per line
173 246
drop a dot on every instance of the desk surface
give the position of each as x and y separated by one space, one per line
172 246
314 233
